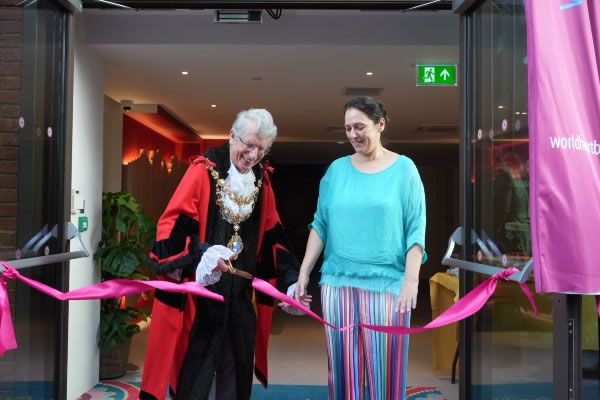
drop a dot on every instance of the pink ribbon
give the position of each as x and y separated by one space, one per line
7 331
103 290
465 307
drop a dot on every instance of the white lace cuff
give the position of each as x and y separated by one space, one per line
288 309
204 272
291 290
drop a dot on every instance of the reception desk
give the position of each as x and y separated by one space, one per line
443 289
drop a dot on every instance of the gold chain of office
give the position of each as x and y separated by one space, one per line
235 243
240 201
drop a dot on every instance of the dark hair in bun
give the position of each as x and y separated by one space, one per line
371 107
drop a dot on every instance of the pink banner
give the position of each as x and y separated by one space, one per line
564 143
465 307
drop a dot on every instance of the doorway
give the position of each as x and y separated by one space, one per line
235 73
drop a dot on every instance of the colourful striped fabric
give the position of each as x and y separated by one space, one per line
364 364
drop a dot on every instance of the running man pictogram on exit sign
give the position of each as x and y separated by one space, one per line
436 75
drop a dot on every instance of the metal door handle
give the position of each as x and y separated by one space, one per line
456 238
72 233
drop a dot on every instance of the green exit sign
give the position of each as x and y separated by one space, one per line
83 224
436 75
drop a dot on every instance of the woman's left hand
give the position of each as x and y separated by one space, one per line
407 300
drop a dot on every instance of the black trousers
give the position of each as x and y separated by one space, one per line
224 383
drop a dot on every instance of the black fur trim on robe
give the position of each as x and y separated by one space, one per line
187 263
236 313
184 227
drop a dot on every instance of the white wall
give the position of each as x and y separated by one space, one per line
113 143
86 172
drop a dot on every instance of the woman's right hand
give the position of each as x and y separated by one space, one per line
300 292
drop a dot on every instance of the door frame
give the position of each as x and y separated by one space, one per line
566 310
461 7
63 324
63 197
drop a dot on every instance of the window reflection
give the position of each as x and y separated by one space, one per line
512 349
511 204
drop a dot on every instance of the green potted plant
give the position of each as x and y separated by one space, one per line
126 234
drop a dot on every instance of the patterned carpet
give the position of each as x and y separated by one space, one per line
112 390
116 390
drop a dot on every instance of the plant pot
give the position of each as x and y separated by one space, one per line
113 363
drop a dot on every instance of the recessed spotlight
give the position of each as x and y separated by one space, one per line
213 105
500 107
518 113
369 73
184 73
341 142
524 113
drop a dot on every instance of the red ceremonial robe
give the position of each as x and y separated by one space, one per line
180 241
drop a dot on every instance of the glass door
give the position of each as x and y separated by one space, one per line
33 66
511 351
590 359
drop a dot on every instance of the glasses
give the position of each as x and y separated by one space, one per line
251 147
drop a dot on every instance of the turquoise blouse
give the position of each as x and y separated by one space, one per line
368 222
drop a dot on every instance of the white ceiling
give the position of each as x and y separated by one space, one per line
305 60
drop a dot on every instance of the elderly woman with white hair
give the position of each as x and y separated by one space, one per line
219 223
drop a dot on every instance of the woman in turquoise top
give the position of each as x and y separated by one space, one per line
370 220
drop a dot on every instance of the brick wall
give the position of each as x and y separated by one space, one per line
11 23
10 104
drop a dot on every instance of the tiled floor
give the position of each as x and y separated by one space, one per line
298 356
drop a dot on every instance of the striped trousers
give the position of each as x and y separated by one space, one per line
364 364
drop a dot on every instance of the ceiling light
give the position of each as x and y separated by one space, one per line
341 142
500 107
369 73
184 73
524 113
213 105
518 113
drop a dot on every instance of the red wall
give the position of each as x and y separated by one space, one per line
138 136
184 151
